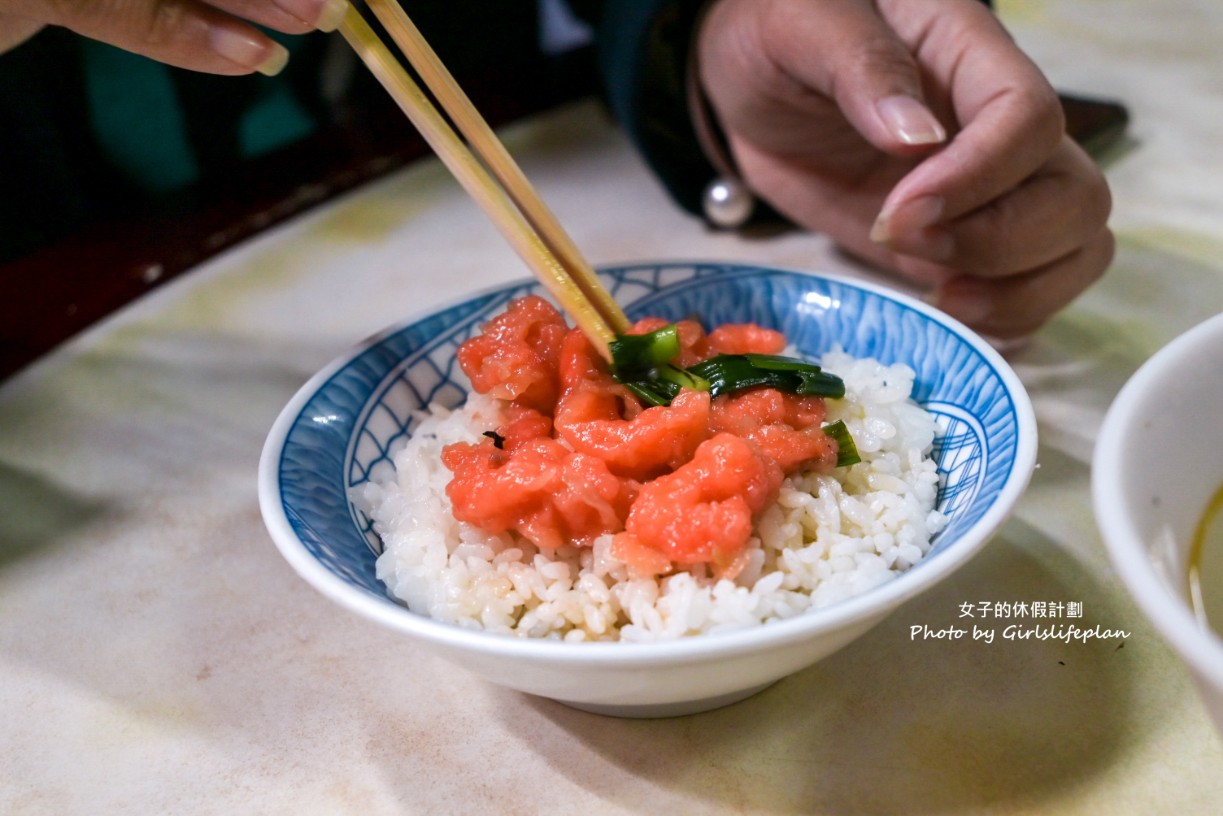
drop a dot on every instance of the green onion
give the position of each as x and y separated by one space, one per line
652 393
847 451
643 363
735 372
637 354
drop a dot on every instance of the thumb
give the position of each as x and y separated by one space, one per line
867 70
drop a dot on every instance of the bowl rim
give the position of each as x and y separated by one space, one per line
1200 648
870 606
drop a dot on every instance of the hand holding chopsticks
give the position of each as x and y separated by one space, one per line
484 168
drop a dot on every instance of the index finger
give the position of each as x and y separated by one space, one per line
215 37
1007 117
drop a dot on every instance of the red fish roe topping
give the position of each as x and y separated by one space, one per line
542 490
702 512
745 338
514 358
786 427
579 456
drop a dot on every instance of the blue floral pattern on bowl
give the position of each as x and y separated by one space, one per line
355 414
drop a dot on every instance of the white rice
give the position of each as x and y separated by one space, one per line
828 537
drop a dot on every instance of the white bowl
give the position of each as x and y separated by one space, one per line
1157 463
338 430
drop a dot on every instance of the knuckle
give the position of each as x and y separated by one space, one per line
1046 117
64 12
730 43
879 53
1102 198
154 22
1085 176
163 23
1106 248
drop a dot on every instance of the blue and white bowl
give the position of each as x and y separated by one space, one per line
338 431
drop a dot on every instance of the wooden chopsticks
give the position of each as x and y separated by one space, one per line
484 168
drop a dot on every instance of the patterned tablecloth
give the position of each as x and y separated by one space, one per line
158 656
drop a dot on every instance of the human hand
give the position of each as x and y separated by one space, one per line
213 36
916 135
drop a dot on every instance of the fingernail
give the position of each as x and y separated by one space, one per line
324 15
249 51
331 15
276 61
1007 346
907 217
910 121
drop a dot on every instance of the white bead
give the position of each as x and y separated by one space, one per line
728 203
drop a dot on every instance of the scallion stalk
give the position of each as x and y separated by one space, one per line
735 372
847 451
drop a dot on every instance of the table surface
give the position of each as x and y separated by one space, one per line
157 655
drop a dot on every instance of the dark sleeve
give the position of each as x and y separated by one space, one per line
51 167
642 52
